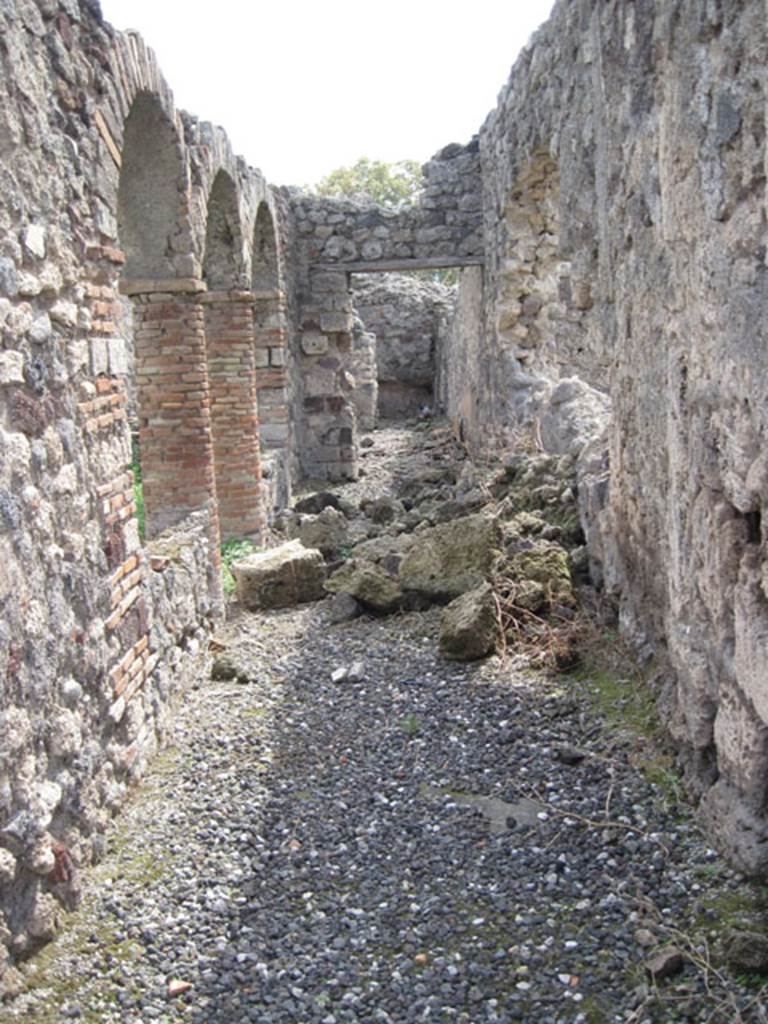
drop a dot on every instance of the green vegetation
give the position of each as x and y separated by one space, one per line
410 725
386 184
231 550
618 687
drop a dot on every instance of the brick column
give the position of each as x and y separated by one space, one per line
174 407
234 420
270 343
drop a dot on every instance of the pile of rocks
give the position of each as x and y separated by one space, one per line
498 548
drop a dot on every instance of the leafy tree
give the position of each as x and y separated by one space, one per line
386 184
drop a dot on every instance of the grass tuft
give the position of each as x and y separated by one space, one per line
231 551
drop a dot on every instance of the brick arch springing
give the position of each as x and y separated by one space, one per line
230 363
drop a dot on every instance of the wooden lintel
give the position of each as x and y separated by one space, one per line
150 285
386 266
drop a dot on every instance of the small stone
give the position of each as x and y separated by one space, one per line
343 607
422 959
665 963
339 675
34 241
11 367
356 672
367 442
7 866
64 313
646 938
40 858
177 987
71 692
569 755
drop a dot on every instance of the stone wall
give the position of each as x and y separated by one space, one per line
107 189
461 383
338 237
624 210
611 220
409 317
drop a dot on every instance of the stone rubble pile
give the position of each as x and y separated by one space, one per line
499 549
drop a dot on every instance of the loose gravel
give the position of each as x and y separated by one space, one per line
420 841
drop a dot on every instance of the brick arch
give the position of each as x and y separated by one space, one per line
149 191
223 252
265 268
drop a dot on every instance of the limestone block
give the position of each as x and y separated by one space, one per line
451 558
117 356
468 625
287 575
11 367
64 313
314 343
336 322
368 583
328 531
34 241
99 356
543 563
40 330
30 285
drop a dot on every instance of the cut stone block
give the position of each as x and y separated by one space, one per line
288 575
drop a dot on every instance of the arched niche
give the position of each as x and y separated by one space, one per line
223 238
264 267
151 180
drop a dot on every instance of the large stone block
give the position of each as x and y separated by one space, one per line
287 575
468 626
367 583
451 558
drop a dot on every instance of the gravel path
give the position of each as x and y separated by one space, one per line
410 844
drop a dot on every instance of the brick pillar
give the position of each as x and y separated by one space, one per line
174 410
229 336
270 341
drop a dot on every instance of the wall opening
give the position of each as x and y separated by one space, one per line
403 324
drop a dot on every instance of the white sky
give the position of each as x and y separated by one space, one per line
303 87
